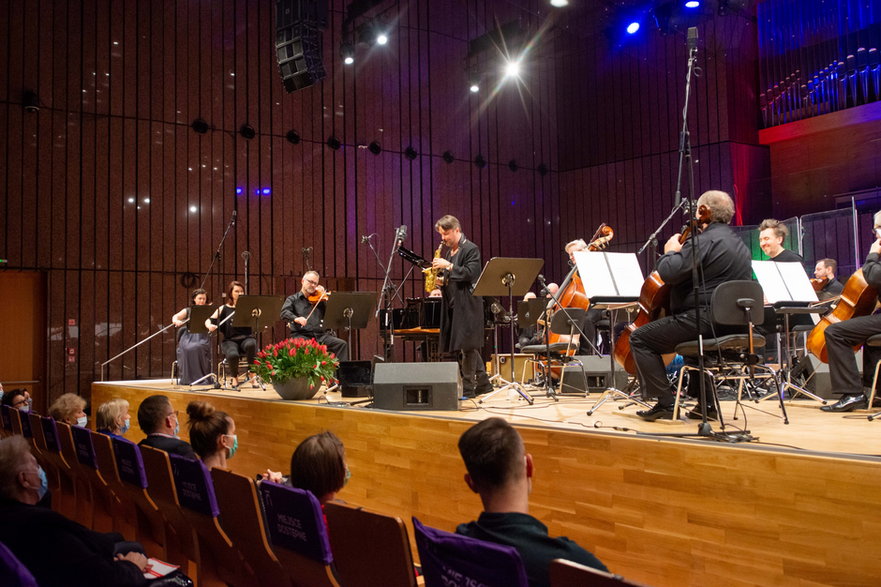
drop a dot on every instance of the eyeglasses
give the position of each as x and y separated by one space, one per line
311 281
174 413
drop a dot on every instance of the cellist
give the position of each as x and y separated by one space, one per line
587 343
841 337
722 257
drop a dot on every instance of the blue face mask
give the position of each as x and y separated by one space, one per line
44 482
235 445
126 425
82 421
176 427
347 477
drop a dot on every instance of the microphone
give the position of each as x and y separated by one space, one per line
541 278
246 255
365 239
692 38
402 232
234 214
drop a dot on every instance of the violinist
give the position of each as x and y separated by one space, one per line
304 312
842 336
824 278
722 256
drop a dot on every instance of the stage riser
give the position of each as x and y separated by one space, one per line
662 512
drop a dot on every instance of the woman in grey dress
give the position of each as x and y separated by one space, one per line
193 350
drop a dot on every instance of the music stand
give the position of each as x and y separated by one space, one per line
508 276
615 282
349 310
196 325
788 289
257 313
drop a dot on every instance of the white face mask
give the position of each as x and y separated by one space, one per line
82 421
126 425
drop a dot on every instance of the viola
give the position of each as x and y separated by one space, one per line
818 283
857 299
654 302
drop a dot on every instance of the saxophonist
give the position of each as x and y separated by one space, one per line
461 325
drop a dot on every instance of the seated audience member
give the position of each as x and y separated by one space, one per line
317 465
212 434
500 471
56 550
17 399
159 421
69 408
112 418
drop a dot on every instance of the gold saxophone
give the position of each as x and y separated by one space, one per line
431 274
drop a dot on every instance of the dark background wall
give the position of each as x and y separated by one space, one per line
110 193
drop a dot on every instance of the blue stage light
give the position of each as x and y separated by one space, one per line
239 191
692 4
267 191
632 27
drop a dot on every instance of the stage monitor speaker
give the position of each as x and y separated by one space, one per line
355 378
298 42
595 378
417 386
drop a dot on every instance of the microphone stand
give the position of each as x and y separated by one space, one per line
386 297
216 257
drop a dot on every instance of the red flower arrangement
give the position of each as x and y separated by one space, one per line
293 358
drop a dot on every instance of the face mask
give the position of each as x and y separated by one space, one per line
82 421
176 428
126 425
347 477
235 445
44 482
25 408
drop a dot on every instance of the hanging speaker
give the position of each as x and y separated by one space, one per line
299 29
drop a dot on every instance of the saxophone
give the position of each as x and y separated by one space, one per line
431 274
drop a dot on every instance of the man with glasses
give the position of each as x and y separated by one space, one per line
842 337
18 399
159 421
304 312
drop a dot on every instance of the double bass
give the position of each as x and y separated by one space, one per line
654 301
857 299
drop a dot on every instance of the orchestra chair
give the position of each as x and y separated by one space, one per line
304 550
452 559
180 538
46 460
65 501
12 571
85 498
731 356
369 548
217 553
563 573
125 515
102 496
5 421
242 519
567 324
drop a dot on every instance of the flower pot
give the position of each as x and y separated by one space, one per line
297 388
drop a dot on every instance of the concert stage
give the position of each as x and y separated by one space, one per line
800 507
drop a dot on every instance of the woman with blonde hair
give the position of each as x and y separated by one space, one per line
112 418
70 409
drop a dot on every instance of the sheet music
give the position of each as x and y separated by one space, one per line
609 274
784 282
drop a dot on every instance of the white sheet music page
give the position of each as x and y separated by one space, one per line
784 282
609 274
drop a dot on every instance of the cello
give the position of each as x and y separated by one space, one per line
857 299
654 300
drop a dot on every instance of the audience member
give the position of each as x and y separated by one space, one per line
317 465
500 471
112 418
56 550
212 434
70 408
18 399
159 421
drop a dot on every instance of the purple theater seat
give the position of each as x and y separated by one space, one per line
12 572
195 490
85 450
129 462
295 521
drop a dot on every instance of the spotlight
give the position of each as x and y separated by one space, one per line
293 137
348 53
559 3
334 143
410 153
480 162
382 39
512 68
374 148
199 126
448 157
474 87
632 28
31 102
247 131
692 4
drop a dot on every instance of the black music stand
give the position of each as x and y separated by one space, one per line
257 313
615 282
349 310
508 276
196 325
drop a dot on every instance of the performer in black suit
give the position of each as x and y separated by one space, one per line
722 256
298 307
825 270
462 319
841 337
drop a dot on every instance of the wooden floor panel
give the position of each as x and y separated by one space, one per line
660 510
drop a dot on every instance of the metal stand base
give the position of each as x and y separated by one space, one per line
615 394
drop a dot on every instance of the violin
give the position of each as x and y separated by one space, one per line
319 295
818 283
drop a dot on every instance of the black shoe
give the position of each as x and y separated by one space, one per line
695 414
848 403
658 412
482 389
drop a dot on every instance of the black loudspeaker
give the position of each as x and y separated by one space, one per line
299 29
417 386
355 378
596 371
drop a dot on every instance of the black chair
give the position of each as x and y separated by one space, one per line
567 324
731 356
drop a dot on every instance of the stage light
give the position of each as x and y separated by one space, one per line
474 88
382 39
247 131
348 53
293 137
692 4
375 148
512 165
632 28
267 191
334 143
559 3
199 126
193 209
239 191
448 156
512 68
479 161
410 153
31 102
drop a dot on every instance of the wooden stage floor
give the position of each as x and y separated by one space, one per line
797 506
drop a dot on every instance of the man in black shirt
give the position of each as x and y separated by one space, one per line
722 257
159 421
306 317
771 236
825 270
500 471
841 337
